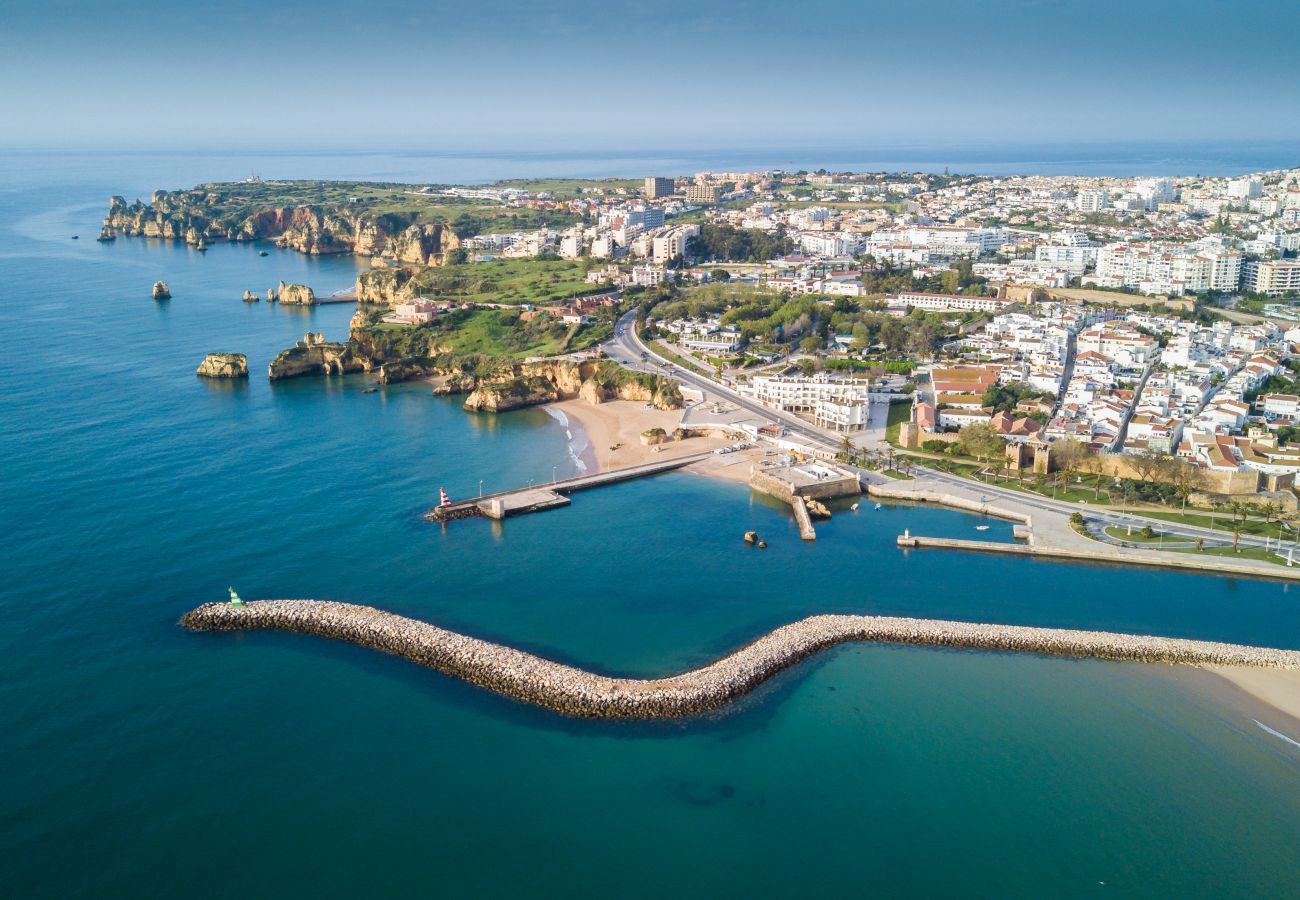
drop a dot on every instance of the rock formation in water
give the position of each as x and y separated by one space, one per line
223 365
250 297
161 291
501 396
313 355
296 294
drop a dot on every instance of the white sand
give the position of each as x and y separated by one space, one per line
614 429
1279 688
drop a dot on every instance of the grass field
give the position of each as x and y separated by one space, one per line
898 414
539 281
1223 523
572 187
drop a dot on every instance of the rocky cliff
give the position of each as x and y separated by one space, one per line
385 286
529 384
516 393
207 214
315 356
223 365
296 294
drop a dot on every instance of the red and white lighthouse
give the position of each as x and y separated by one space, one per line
443 499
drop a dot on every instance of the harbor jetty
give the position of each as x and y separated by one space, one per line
535 498
574 692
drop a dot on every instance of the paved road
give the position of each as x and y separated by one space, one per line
627 348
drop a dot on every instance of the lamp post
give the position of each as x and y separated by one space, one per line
480 487
553 468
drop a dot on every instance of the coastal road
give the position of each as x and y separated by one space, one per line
627 348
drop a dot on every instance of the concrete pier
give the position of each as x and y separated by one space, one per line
1206 565
574 692
806 530
535 498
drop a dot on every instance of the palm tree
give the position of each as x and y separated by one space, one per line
1239 512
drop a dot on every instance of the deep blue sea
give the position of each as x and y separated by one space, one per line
139 760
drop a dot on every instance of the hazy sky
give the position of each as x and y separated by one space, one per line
496 74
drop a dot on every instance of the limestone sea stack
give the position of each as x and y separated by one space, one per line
250 297
161 291
296 294
223 365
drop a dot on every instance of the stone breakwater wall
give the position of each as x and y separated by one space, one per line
893 492
574 692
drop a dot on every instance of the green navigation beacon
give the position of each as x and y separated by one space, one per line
234 598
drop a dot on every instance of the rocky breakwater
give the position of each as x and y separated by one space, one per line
575 692
223 365
228 212
314 355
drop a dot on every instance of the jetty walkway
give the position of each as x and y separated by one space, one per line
538 497
575 692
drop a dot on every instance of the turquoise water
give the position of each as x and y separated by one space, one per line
141 760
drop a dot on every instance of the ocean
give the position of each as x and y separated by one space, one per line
141 760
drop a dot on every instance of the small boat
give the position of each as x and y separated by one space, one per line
981 528
76 237
877 506
854 507
262 253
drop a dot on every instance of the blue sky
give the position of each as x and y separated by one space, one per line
495 74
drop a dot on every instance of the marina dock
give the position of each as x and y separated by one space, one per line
552 494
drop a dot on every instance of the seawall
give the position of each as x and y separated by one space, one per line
1187 562
575 692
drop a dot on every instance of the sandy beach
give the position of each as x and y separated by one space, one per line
1277 688
608 435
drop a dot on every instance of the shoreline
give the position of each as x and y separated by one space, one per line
611 432
1259 692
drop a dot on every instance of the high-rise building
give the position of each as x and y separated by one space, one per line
656 187
671 244
1092 201
706 194
1274 277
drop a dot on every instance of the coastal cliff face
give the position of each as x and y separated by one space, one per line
223 365
513 394
383 286
195 217
530 384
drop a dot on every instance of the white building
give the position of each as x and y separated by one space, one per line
1274 277
670 244
1073 259
1092 201
801 393
946 302
842 415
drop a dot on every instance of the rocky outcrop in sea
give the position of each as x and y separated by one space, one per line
223 365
